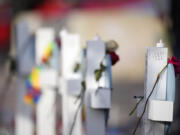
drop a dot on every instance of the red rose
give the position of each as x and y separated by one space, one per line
58 41
173 60
114 57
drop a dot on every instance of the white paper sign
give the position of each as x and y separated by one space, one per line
101 99
48 78
74 87
160 110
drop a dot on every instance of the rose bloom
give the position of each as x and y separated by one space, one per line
114 57
173 60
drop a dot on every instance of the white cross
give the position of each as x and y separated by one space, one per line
46 109
70 85
96 101
24 124
156 60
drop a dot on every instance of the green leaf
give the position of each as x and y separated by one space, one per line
77 67
102 67
98 72
83 84
97 75
134 109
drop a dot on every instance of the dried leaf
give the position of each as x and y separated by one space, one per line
111 45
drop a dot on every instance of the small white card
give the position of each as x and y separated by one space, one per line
101 98
160 110
48 78
74 87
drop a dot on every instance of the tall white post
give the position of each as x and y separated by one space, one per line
156 60
98 94
46 109
70 86
24 124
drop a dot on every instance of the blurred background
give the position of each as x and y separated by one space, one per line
134 24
